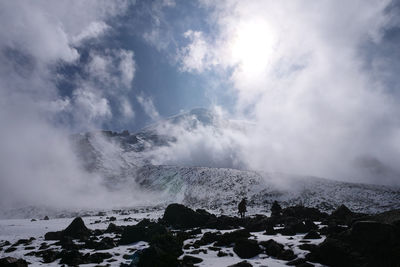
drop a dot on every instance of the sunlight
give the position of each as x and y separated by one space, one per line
252 46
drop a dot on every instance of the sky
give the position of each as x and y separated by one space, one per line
319 79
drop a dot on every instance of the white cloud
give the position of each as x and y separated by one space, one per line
297 73
93 30
36 150
126 109
114 69
194 57
90 105
126 67
148 107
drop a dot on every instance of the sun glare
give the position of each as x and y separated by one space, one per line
252 46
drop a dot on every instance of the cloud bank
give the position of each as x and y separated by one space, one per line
37 164
299 72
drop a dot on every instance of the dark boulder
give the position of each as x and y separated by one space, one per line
334 252
296 262
276 209
272 248
77 229
140 232
229 238
13 262
312 235
224 222
241 264
286 255
190 260
72 257
301 212
342 215
179 216
164 251
269 230
246 248
112 228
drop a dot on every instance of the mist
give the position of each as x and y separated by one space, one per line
312 89
38 165
300 74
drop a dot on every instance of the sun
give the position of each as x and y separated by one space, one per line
252 46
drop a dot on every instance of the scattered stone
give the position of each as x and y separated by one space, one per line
164 251
190 260
296 262
222 253
232 237
286 255
272 248
179 216
276 209
301 212
241 264
312 235
77 229
308 247
246 248
141 232
10 249
13 262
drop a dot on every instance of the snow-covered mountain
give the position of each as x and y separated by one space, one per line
143 157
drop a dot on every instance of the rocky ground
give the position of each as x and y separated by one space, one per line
180 236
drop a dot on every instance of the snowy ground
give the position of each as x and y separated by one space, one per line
13 230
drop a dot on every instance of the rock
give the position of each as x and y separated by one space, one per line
164 251
4 243
246 248
241 264
53 235
308 247
48 255
296 262
276 209
301 212
306 264
208 238
272 248
190 260
72 257
112 219
179 216
139 232
13 262
286 255
232 237
33 220
10 249
371 235
257 223
342 212
98 257
112 228
222 253
269 230
334 252
312 235
46 218
77 229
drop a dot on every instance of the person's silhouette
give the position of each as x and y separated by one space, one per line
242 208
